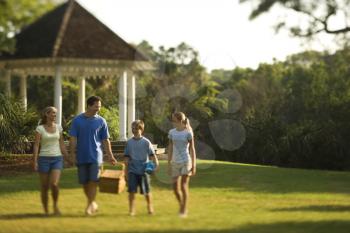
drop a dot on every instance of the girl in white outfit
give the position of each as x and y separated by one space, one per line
181 158
49 162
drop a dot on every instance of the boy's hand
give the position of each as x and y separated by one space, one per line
126 175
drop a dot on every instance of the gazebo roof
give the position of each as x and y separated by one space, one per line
71 32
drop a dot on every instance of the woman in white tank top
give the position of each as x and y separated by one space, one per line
49 160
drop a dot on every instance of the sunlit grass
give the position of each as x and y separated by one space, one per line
225 197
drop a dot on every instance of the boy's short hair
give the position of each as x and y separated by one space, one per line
92 99
139 124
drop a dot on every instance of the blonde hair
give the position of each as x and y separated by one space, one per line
139 124
181 117
44 113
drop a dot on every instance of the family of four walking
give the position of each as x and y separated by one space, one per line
89 136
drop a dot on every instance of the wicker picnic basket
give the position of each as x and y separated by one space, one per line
112 181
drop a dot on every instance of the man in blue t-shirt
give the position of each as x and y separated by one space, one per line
88 133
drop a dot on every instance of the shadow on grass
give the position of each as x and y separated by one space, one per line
317 208
21 216
338 226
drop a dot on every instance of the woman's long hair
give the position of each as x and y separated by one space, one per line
180 116
44 113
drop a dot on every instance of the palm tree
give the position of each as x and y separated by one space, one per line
16 125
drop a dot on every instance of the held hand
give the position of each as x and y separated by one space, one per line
70 158
71 162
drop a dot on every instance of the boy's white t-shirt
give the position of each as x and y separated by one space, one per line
180 145
49 144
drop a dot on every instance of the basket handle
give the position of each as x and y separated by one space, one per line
118 163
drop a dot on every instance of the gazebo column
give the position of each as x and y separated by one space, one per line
8 82
58 95
122 107
81 95
131 103
23 90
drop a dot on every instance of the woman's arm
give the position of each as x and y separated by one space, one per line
36 150
63 146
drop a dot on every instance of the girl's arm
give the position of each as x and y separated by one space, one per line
193 156
36 150
170 154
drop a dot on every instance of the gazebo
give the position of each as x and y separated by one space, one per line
70 42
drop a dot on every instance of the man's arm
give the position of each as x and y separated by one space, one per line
108 150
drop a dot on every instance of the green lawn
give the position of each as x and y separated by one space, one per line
225 197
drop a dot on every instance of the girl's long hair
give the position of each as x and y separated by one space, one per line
180 116
44 113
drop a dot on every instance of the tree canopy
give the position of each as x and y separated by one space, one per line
16 14
319 16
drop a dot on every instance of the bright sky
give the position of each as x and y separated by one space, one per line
218 29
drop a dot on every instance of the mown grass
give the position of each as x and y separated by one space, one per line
225 197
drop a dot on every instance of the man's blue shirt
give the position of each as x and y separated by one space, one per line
90 133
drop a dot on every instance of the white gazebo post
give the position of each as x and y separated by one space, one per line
58 94
131 103
8 82
122 107
81 95
23 90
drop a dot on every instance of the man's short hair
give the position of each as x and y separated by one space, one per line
92 99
